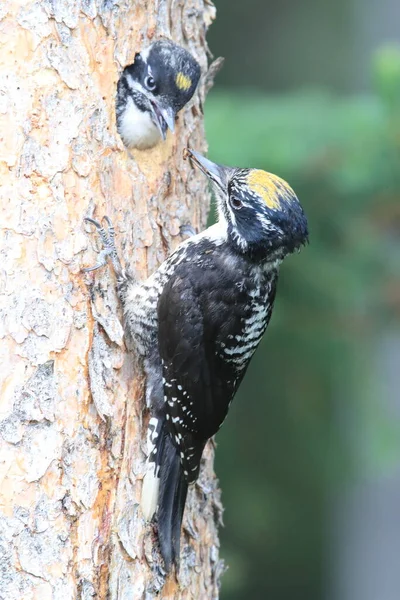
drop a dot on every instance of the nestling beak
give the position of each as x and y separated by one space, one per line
164 118
216 173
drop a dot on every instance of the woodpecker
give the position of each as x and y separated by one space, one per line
151 91
196 323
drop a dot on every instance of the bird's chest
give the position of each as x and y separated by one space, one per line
136 127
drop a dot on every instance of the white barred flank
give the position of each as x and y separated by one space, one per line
238 349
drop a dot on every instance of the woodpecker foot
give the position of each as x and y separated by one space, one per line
109 250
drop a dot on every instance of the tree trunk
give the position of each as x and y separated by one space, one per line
73 423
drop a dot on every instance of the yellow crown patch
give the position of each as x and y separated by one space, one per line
183 82
269 187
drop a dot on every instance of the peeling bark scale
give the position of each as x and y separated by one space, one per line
72 423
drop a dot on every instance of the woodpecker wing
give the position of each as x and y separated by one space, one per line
212 313
198 384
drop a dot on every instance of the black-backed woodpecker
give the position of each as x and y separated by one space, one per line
151 91
196 323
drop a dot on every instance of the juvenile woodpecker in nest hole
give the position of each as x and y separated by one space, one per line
151 91
196 323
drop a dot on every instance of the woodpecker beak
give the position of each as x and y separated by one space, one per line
216 173
164 118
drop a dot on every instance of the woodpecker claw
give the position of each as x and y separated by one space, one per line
102 261
109 249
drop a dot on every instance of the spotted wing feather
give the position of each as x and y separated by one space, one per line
186 371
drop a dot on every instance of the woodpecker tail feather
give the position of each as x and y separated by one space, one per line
171 503
165 487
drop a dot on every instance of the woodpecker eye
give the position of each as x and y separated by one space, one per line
150 83
236 203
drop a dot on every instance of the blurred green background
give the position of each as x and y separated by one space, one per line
309 459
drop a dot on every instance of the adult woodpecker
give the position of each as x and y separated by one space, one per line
196 323
151 91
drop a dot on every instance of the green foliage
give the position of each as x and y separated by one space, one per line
387 76
306 135
285 445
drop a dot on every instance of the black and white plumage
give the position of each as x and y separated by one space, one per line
197 322
151 91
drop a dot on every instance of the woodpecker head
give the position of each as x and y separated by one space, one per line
151 91
262 214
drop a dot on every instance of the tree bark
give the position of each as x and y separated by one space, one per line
73 423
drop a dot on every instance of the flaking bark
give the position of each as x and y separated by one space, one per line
72 420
